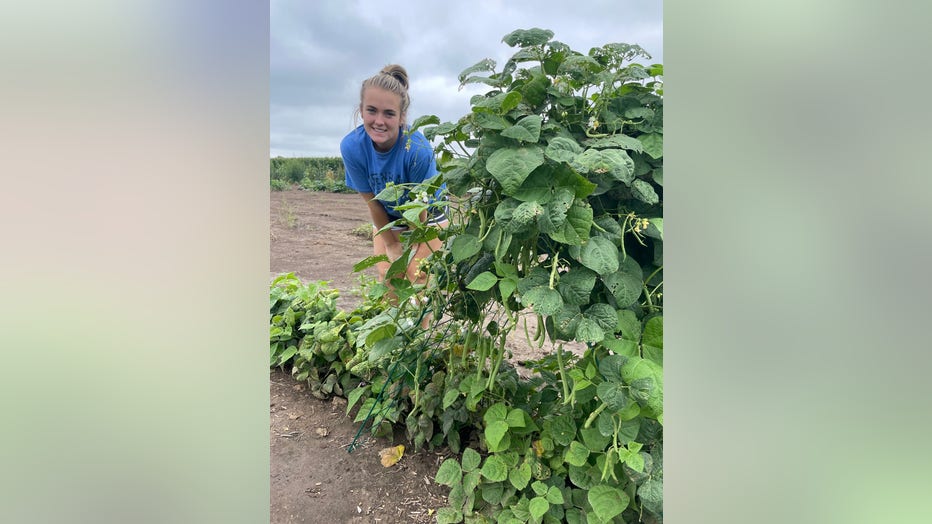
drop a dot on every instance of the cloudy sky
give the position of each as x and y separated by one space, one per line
321 51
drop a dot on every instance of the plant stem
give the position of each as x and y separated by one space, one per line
553 270
652 275
496 361
566 387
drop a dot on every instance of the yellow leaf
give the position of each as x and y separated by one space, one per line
538 447
391 456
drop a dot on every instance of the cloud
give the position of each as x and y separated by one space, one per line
320 52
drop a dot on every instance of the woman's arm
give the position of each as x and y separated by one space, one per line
380 218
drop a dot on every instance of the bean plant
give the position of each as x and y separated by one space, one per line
557 177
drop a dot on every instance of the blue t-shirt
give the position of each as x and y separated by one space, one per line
368 170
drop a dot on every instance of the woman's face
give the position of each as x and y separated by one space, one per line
381 117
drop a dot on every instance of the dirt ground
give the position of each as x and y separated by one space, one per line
313 478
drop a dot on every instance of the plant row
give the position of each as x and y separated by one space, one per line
312 174
526 451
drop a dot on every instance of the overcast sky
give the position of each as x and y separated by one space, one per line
321 51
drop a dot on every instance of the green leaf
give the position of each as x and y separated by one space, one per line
576 454
538 507
575 286
381 332
457 496
391 193
653 332
527 37
450 397
520 476
629 430
644 192
537 187
495 469
507 286
526 130
493 493
424 120
636 368
471 459
464 246
413 215
622 141
525 215
545 301
554 495
613 395
491 100
612 162
511 166
494 433
449 473
605 424
471 481
589 331
353 397
653 144
539 488
607 501
563 429
657 176
561 149
640 368
492 121
566 320
626 284
639 112
581 186
287 354
594 439
575 230
602 314
483 281
511 101
635 461
555 214
600 255
610 367
651 495
496 412
368 262
515 418
655 229
486 64
653 353
447 515
629 325
537 277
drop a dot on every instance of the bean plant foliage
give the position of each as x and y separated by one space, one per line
555 186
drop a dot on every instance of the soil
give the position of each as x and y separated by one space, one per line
320 236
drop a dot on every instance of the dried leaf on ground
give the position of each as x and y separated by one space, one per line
391 456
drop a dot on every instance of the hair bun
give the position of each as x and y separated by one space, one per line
397 72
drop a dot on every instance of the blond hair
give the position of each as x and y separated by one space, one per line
392 78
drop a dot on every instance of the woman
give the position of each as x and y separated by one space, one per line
378 152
